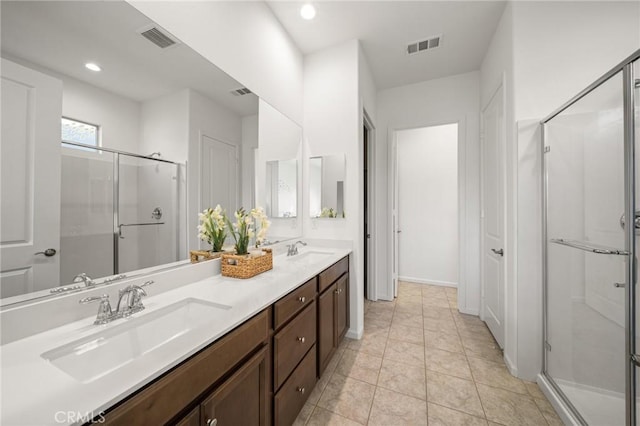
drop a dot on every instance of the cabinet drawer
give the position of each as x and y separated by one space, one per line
294 302
292 343
289 400
329 275
164 399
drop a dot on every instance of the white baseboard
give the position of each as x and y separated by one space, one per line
467 311
426 281
510 365
354 334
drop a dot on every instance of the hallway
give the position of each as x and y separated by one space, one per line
421 362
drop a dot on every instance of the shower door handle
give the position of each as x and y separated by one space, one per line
498 252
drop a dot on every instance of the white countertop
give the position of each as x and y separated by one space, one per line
36 392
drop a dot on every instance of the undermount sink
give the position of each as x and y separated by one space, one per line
309 257
99 354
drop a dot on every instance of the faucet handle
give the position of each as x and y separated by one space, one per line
147 283
105 314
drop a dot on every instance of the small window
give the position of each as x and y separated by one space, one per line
79 132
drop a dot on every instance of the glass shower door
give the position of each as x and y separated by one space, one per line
586 259
146 233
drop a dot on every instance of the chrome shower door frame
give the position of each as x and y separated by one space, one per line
632 359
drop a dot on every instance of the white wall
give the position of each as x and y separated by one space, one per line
249 145
445 100
237 36
332 126
165 126
428 204
588 38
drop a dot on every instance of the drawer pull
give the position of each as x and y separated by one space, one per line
300 339
302 299
300 389
338 291
212 422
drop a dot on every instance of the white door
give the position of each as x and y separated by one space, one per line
395 225
493 201
30 180
219 175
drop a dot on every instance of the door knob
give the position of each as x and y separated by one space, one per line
212 422
48 252
499 252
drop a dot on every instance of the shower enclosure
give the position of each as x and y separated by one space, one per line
120 212
591 219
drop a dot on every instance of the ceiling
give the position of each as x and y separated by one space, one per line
63 35
384 29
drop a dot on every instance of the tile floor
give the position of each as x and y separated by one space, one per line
422 362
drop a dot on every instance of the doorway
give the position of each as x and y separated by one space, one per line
426 205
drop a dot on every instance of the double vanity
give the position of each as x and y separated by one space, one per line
214 351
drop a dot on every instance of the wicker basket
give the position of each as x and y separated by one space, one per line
202 255
246 266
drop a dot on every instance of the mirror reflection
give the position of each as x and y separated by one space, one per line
133 134
326 186
281 188
278 167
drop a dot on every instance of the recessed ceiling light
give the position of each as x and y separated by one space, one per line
308 12
93 67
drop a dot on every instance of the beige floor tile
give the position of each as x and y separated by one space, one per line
408 319
451 363
509 408
359 365
392 408
476 332
548 412
407 379
534 390
443 340
408 300
442 416
444 325
468 320
409 308
304 414
496 375
436 312
322 417
320 386
376 325
453 392
407 334
378 316
372 344
481 348
441 302
348 397
408 353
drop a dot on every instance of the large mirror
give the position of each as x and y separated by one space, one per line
278 167
326 186
114 136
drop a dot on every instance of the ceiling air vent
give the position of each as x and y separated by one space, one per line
430 43
158 37
241 91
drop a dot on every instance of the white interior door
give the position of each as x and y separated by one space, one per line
395 225
219 175
493 201
30 180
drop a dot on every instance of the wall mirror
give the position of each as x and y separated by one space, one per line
278 168
326 186
153 133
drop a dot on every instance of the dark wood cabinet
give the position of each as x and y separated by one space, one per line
241 399
333 311
260 373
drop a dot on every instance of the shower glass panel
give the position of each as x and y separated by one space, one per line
147 231
586 261
86 207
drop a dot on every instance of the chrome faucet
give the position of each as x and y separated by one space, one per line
292 249
84 278
129 302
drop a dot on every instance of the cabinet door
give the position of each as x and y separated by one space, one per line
241 399
326 328
342 307
191 419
